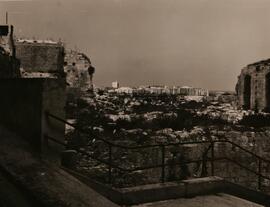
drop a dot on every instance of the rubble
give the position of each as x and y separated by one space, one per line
131 120
225 112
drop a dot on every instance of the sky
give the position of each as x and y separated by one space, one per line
199 43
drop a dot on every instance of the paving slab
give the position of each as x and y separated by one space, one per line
217 200
11 196
45 182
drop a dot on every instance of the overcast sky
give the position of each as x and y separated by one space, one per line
200 43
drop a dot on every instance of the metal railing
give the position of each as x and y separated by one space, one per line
162 148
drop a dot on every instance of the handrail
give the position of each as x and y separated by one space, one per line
123 146
125 169
248 169
129 170
135 168
247 151
73 125
157 145
175 164
85 153
162 146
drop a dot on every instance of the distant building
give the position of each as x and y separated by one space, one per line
115 84
190 91
159 90
253 86
184 91
126 90
156 89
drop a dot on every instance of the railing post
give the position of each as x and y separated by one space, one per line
110 164
212 158
162 163
46 140
260 173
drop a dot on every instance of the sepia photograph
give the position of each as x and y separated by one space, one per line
134 103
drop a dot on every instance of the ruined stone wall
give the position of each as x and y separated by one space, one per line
256 142
258 73
77 75
40 57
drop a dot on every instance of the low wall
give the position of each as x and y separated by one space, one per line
172 190
255 141
23 103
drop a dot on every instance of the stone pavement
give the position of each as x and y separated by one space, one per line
218 200
11 196
45 183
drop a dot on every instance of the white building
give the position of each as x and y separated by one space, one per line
190 91
115 84
126 90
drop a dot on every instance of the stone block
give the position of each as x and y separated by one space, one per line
69 158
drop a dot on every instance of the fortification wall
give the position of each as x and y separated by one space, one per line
40 57
255 88
77 75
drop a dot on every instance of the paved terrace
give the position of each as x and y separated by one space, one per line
27 180
40 183
218 200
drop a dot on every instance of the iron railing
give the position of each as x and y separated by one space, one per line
162 148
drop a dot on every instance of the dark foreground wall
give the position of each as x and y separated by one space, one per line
23 103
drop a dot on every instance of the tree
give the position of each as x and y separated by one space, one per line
91 71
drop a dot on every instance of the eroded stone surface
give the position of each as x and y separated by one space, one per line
253 86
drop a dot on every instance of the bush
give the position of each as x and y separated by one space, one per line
256 120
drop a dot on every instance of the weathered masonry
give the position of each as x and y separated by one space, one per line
38 56
9 63
253 87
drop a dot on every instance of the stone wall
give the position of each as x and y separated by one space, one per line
9 66
22 106
40 57
255 141
77 74
258 90
54 102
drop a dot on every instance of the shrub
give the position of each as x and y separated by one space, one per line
256 120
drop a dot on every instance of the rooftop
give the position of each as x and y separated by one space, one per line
31 41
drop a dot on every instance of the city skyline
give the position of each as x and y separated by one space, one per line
199 43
